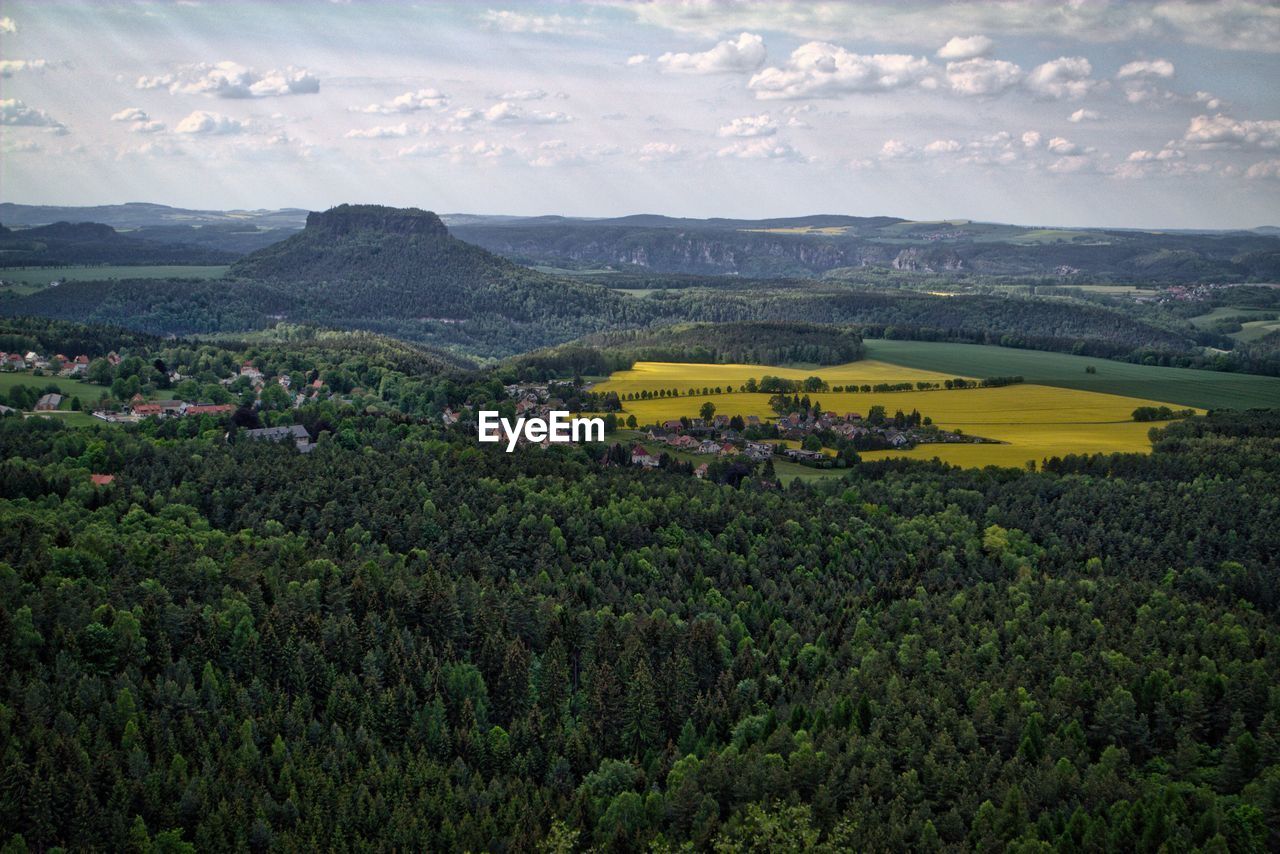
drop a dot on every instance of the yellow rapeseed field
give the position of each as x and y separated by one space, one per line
1034 421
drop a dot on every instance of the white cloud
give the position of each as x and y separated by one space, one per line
943 146
10 67
141 122
652 151
761 125
896 149
20 146
637 59
130 114
1225 132
1264 169
17 114
745 53
760 149
1083 115
505 111
380 132
1160 68
1031 139
1144 156
424 149
1210 100
819 69
523 95
410 102
7 25
1067 77
1065 147
228 79
965 47
982 76
1232 25
519 22
204 123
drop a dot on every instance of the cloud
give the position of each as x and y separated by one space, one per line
1144 156
822 70
982 76
1067 77
740 55
1160 68
424 149
21 146
204 123
637 59
1083 115
228 79
760 149
10 67
17 114
1225 132
523 95
965 47
1066 148
410 102
381 132
652 151
1252 25
942 146
519 22
1264 169
7 25
505 111
130 114
141 122
1031 139
761 125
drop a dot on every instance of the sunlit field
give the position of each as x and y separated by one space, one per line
1033 421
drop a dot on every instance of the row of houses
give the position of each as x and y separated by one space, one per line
60 364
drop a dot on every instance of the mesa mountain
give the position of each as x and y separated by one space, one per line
388 270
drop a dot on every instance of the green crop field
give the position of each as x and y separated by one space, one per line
27 278
1183 386
87 393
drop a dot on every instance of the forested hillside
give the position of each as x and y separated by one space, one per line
70 244
400 640
810 246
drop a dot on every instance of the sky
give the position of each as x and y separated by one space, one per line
1139 114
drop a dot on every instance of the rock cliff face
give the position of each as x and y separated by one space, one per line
349 219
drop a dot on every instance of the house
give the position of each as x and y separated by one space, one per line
78 366
701 471
759 450
7 410
753 420
295 433
148 410
728 450
641 457
720 421
802 454
673 426
113 358
285 381
49 402
31 356
102 479
209 409
248 370
897 439
709 447
449 417
14 362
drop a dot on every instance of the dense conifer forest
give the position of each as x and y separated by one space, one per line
402 641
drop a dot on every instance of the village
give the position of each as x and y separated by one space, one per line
811 437
247 379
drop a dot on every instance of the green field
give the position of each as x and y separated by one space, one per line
38 277
87 393
1184 386
1222 312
